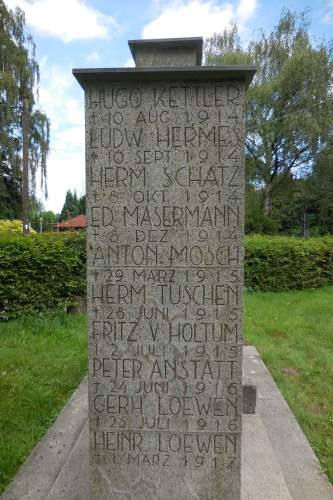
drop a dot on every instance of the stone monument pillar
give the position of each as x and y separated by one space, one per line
165 209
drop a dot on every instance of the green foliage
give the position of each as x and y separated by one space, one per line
41 218
320 191
12 227
73 205
256 221
226 48
49 216
40 272
10 190
289 111
281 263
82 205
19 79
43 358
293 333
44 271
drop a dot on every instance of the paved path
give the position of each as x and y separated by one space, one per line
277 460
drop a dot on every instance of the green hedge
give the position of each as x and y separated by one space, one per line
278 263
42 272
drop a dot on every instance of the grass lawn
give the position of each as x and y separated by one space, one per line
42 360
293 331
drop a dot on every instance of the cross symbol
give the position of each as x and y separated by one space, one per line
106 118
95 311
93 117
94 233
96 196
96 274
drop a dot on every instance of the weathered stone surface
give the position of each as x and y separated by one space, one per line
169 52
268 469
165 207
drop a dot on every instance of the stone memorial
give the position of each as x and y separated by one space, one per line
165 210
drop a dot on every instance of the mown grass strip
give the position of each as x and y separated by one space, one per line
42 360
293 331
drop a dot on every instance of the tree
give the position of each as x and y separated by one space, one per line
321 189
19 81
82 204
49 217
289 105
73 205
36 208
41 219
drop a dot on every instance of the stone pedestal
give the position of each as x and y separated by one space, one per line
165 209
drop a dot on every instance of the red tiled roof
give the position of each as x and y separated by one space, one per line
80 221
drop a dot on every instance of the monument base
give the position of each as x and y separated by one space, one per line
277 460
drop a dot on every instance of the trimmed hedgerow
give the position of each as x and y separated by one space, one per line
40 272
278 263
43 272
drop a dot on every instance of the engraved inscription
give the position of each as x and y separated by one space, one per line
165 208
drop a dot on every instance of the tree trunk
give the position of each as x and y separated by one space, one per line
305 224
25 176
267 201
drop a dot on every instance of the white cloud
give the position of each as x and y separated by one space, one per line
65 171
245 10
56 96
66 163
328 16
93 57
182 18
65 19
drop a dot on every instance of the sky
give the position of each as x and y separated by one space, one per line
94 33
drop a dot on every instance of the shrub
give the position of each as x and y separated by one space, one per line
12 226
282 263
45 271
40 271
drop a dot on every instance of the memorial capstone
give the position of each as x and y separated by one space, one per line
165 210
